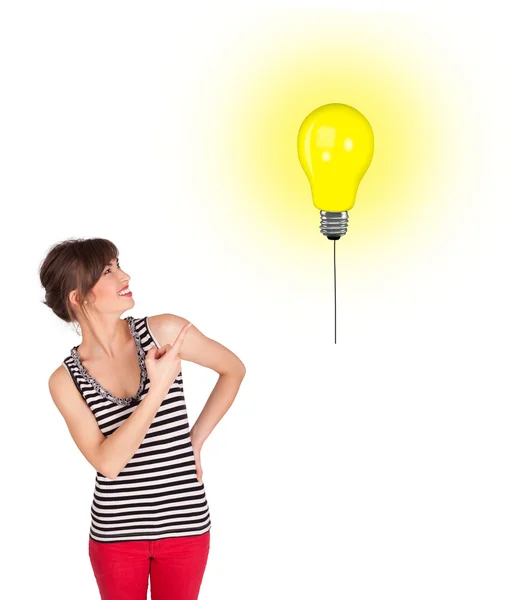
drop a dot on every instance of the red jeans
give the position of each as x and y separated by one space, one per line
174 565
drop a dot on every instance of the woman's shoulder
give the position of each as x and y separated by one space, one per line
165 327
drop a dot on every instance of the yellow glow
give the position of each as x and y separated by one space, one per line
395 69
335 173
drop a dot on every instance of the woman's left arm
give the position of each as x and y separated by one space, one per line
206 352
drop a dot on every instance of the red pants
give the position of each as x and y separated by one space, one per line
174 565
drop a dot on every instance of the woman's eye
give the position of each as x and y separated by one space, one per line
118 266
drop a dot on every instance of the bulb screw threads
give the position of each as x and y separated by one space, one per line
334 224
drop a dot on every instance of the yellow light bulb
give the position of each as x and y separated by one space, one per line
335 146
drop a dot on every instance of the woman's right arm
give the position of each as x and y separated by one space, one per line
108 455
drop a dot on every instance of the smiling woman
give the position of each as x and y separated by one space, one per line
121 395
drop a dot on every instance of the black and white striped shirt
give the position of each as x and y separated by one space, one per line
157 494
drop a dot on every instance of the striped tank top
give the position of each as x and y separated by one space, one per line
157 494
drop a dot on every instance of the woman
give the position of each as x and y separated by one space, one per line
121 394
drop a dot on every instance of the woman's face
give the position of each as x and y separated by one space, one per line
107 288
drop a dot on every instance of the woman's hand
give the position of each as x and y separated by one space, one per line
163 364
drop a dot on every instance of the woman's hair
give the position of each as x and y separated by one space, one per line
74 265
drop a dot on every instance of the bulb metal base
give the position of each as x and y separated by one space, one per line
334 224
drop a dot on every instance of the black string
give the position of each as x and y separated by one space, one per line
334 291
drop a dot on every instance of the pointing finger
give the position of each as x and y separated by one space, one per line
180 338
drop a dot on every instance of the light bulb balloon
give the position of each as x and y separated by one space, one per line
335 146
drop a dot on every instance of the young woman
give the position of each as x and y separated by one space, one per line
120 393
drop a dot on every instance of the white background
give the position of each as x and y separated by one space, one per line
383 466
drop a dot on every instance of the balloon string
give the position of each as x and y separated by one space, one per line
335 291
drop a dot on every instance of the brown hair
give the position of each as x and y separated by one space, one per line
74 265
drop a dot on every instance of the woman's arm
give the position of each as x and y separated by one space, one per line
218 403
206 352
108 455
